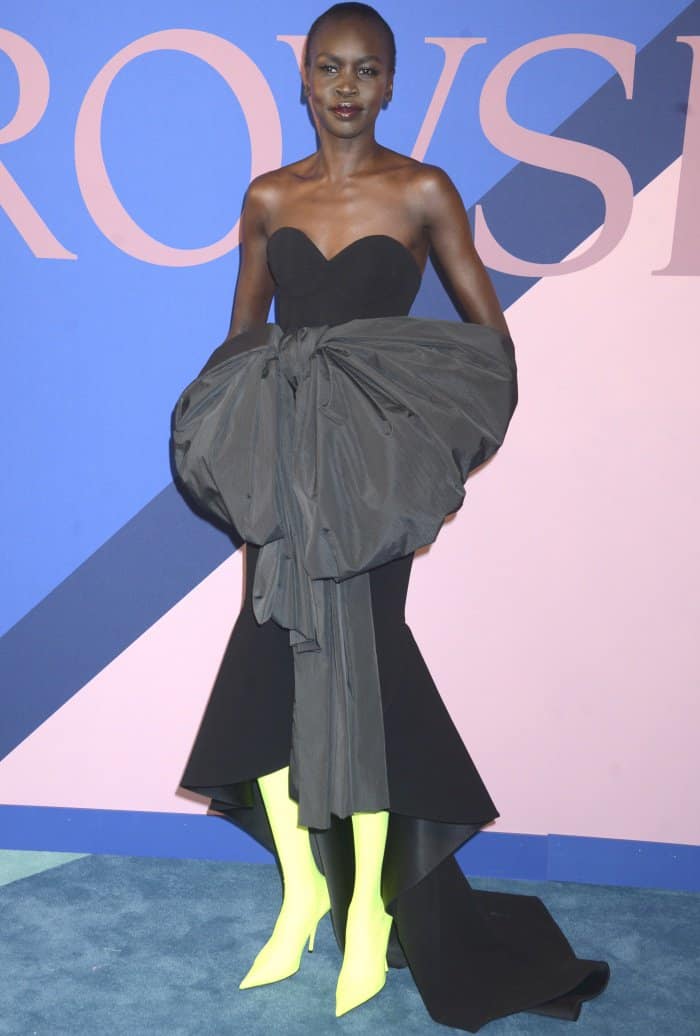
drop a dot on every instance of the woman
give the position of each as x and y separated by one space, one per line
340 235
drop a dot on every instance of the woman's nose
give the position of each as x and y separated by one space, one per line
345 85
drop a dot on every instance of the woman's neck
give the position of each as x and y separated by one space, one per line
338 160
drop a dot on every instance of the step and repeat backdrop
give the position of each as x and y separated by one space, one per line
558 610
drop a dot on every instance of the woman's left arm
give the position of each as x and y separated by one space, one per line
447 224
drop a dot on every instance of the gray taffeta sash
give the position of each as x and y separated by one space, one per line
336 449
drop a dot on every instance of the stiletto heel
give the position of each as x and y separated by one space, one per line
365 966
305 898
280 957
313 933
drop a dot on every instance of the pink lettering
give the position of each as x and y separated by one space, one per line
685 250
564 156
455 48
297 45
34 88
253 93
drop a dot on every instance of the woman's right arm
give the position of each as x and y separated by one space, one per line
255 286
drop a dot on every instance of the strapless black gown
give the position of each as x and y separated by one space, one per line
474 955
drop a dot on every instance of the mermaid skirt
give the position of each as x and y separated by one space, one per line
474 955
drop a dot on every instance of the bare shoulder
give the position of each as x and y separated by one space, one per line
428 188
434 184
276 180
268 191
422 175
437 196
262 195
394 163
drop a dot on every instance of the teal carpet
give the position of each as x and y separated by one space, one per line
115 945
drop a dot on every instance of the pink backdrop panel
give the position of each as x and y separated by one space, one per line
558 611
122 741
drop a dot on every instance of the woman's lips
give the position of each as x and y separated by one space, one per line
345 112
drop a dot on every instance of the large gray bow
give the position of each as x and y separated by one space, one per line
338 448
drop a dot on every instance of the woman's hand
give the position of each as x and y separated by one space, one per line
447 224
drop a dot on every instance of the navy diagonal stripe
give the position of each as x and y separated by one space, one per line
103 606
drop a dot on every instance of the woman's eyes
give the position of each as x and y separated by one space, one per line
334 68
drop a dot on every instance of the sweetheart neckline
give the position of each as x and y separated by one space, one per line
351 244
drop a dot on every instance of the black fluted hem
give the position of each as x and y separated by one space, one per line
475 955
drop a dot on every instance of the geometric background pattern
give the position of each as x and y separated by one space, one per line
563 595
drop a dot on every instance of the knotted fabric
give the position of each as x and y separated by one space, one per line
338 448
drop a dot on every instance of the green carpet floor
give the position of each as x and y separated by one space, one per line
116 945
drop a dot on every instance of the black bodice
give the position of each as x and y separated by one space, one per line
374 276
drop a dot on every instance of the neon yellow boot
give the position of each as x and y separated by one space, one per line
305 897
364 969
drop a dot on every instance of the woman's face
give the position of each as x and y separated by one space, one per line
348 77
